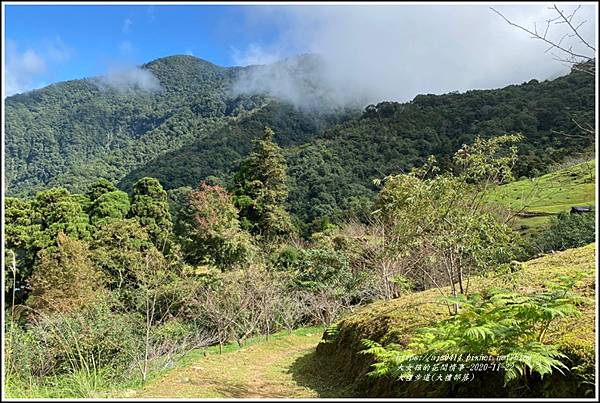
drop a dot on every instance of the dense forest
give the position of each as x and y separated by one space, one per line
71 134
142 225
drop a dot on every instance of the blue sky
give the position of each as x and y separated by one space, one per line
74 41
393 51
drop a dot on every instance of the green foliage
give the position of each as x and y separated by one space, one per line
150 207
440 220
509 326
209 230
286 257
109 206
567 230
117 247
489 161
20 233
261 191
178 201
58 211
321 268
99 188
86 340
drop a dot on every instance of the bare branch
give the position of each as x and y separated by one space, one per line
543 38
568 21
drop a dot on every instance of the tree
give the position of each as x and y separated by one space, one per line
290 307
260 190
64 277
219 304
151 279
326 283
150 207
209 229
109 206
58 211
117 247
439 228
20 231
99 188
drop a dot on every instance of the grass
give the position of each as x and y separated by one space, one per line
549 194
397 320
80 384
273 368
231 374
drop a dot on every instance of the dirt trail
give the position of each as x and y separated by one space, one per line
260 370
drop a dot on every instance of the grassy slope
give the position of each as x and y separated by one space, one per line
397 320
551 193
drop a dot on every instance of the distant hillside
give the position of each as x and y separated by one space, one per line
71 133
195 126
397 320
536 200
332 165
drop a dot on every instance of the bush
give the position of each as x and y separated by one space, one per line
568 231
87 339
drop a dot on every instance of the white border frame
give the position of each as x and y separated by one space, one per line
298 3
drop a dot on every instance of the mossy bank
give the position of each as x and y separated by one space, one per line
397 320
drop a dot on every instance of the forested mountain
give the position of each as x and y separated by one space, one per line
74 132
195 127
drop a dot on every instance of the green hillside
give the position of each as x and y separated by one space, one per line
548 194
332 163
397 320
72 133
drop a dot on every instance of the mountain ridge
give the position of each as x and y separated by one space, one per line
72 133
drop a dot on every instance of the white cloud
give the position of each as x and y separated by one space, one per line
128 79
57 50
28 69
394 52
127 26
189 52
254 55
22 67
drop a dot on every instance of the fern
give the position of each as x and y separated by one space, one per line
495 322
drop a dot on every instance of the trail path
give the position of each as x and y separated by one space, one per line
282 367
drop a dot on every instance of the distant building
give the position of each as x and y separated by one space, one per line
582 209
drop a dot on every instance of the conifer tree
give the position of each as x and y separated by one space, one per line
261 191
150 207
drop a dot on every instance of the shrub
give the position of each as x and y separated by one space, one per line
86 339
64 277
568 231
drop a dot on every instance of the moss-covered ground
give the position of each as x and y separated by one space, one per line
397 320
